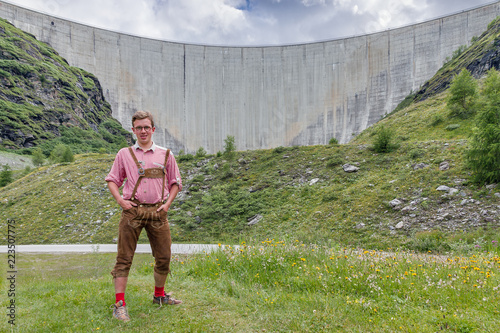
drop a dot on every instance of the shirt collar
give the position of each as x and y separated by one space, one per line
152 148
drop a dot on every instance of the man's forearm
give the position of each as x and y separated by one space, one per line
172 194
115 191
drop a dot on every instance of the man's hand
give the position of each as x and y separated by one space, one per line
126 204
164 207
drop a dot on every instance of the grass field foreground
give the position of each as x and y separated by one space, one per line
272 286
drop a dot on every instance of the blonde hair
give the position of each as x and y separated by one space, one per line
143 115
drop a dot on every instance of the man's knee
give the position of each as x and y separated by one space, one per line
122 267
162 266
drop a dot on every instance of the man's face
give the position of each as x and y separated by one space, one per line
144 131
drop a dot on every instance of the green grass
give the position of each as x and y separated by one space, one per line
272 286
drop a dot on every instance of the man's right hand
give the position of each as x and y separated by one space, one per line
126 204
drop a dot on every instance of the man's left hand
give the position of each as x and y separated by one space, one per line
164 207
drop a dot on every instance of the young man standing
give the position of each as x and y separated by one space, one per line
153 181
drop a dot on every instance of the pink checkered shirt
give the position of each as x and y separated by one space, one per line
149 190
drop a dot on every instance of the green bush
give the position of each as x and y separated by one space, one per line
415 153
279 150
229 147
334 161
383 141
38 157
201 152
437 119
483 157
5 176
333 141
185 157
61 154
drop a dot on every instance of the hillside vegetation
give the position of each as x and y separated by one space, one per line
300 193
44 101
418 195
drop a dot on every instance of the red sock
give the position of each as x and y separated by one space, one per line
159 291
120 297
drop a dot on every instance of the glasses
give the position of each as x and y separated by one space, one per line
140 128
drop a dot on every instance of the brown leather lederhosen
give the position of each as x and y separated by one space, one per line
149 173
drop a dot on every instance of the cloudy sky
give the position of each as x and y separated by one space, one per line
249 22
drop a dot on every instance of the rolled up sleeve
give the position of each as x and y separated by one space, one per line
173 173
117 173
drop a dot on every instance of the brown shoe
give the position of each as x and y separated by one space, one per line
120 311
167 299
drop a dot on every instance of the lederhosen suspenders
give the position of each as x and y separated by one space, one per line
149 173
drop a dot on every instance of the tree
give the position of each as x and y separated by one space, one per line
463 93
38 157
229 147
483 156
61 154
5 176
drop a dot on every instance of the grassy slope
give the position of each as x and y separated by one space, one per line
71 204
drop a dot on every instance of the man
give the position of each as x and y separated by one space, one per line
153 181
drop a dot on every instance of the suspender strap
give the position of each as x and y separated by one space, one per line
142 172
139 168
135 158
165 173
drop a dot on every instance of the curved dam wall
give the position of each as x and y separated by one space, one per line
265 96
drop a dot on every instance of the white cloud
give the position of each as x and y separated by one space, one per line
264 22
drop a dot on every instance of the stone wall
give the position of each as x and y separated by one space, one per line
265 97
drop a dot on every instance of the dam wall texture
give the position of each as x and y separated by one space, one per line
265 96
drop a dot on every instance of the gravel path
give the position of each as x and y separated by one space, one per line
102 248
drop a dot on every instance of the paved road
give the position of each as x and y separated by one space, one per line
102 248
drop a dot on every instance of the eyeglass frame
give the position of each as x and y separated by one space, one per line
140 128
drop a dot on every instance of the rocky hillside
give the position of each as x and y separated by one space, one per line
482 55
44 99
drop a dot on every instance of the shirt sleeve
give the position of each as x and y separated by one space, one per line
117 173
173 173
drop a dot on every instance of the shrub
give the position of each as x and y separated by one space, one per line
334 161
229 147
416 153
484 154
185 157
383 141
333 141
38 157
201 152
5 176
278 150
61 154
436 120
227 172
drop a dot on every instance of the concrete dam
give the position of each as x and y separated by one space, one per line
266 96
